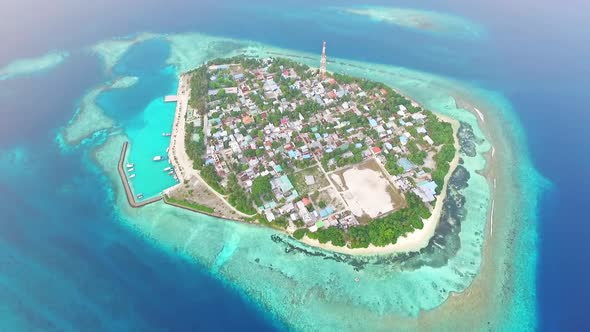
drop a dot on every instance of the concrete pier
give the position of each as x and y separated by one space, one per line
128 192
170 99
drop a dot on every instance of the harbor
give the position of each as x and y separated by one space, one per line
122 167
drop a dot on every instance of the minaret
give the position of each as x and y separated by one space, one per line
323 62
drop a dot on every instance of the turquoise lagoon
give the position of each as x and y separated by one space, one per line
305 287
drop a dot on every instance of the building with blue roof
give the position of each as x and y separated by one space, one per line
328 210
405 164
403 139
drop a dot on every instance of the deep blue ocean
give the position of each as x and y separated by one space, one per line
66 263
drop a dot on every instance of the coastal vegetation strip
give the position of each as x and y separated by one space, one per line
189 205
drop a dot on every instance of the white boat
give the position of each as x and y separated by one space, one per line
140 196
130 165
131 176
130 169
157 158
171 172
166 134
167 169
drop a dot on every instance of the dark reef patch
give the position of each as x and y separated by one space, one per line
467 140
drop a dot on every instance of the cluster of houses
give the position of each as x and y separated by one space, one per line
263 133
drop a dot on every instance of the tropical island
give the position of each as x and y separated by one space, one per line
335 161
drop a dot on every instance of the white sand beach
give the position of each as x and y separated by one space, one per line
179 159
415 240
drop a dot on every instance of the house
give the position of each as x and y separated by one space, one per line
269 215
403 139
426 190
405 164
376 150
309 180
246 119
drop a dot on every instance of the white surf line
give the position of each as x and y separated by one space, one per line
479 114
492 212
492 219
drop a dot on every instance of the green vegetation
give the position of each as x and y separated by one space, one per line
188 204
210 176
198 86
331 234
238 197
195 148
298 234
261 187
379 103
392 166
440 132
416 155
443 159
345 155
386 230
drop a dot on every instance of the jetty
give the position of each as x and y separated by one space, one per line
170 99
126 185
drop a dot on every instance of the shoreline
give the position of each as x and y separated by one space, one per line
419 238
412 242
181 162
487 280
469 305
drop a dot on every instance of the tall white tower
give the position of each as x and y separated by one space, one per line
323 62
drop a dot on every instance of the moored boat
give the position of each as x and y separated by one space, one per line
167 169
131 176
130 165
157 158
166 134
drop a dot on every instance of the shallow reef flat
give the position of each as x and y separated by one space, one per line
110 51
440 287
419 20
33 65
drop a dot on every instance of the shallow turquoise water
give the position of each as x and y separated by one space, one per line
243 254
141 110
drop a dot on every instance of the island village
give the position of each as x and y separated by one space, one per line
323 155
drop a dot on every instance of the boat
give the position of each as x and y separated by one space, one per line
167 169
140 196
131 176
166 134
130 169
130 165
171 172
157 158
